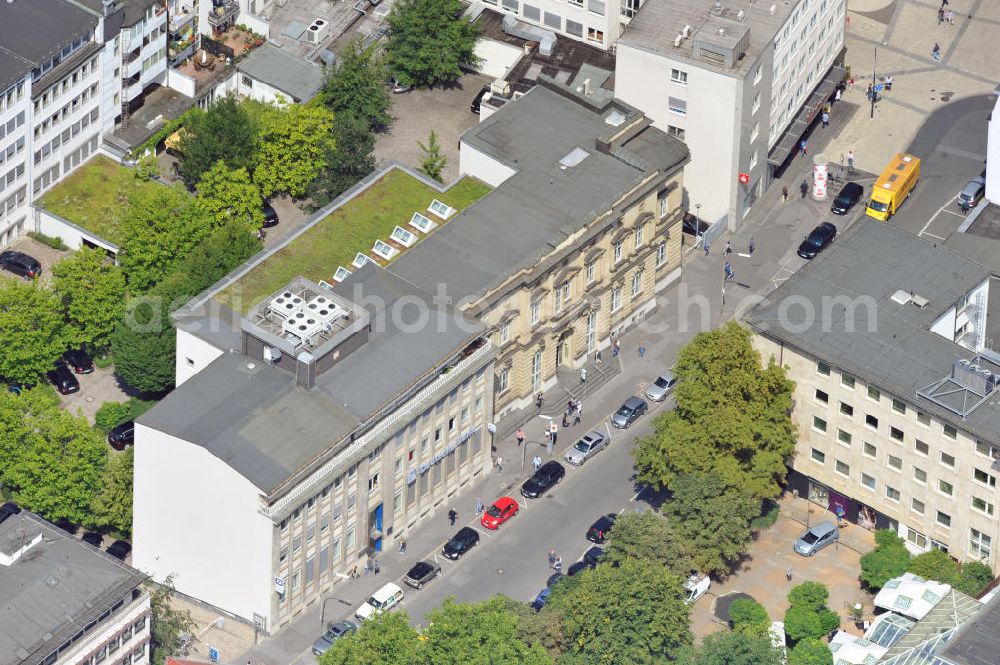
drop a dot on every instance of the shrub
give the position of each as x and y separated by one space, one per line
103 359
935 565
889 559
110 414
810 652
811 595
808 617
748 613
974 578
767 518
55 242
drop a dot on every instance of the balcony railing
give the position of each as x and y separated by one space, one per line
220 15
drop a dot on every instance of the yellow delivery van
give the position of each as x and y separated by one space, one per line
893 186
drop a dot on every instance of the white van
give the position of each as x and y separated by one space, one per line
696 586
382 600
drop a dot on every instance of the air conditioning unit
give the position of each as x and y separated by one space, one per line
500 87
286 304
317 32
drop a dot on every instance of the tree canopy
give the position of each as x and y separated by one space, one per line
433 162
229 197
113 504
736 647
32 331
810 651
349 159
92 291
748 613
356 87
167 623
647 536
477 634
808 615
384 639
292 148
225 132
889 559
429 41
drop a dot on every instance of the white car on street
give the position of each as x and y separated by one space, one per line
383 600
697 585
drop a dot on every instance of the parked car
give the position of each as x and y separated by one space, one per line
460 543
477 103
383 600
63 379
628 412
553 578
119 549
541 599
816 538
973 193
661 386
502 510
270 214
849 194
397 86
696 586
79 360
8 509
92 538
122 435
21 264
599 530
544 479
586 447
594 555
334 632
422 573
817 241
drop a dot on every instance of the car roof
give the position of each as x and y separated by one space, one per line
592 435
466 531
851 187
605 520
667 376
386 591
550 466
633 401
504 501
823 527
422 566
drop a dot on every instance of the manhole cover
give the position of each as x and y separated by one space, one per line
88 398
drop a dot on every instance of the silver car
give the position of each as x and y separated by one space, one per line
589 445
333 633
662 386
816 538
628 412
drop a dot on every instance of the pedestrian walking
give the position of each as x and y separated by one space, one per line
836 95
784 193
539 399
850 83
950 17
354 572
557 564
940 16
752 246
520 436
569 405
368 565
616 347
536 462
825 118
499 464
870 91
376 567
729 248
583 375
729 272
402 547
888 83
566 418
452 516
577 413
964 204
804 188
706 244
850 160
641 349
803 147
554 430
479 505
936 52
597 357
552 558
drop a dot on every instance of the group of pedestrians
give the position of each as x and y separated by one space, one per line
574 410
555 561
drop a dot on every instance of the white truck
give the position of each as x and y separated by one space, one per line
696 586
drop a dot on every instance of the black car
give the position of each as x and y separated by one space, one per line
594 555
598 532
8 510
849 194
422 573
477 103
270 215
119 549
817 241
63 379
461 542
553 578
21 264
122 435
578 567
79 360
92 538
544 479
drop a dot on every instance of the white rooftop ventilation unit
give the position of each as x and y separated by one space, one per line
317 32
324 309
286 304
302 325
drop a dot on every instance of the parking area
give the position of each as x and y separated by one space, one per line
43 253
96 388
416 113
764 575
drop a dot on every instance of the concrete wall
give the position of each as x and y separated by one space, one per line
180 82
196 518
480 165
193 355
609 22
262 92
74 236
993 156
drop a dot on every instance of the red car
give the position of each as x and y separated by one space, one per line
502 510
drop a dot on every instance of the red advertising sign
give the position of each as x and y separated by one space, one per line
745 178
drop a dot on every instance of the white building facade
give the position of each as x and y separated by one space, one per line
595 22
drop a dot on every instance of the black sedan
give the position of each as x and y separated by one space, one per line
849 194
122 435
270 214
422 573
817 241
63 379
544 479
79 361
461 542
599 530
590 560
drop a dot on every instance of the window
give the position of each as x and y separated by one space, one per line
842 468
923 418
818 456
638 235
349 540
869 450
536 310
616 299
898 406
636 284
677 105
944 519
847 380
822 396
758 74
465 414
823 368
589 271
896 433
946 488
920 475
373 482
867 481
871 421
891 493
846 409
536 372
594 35
981 476
917 506
424 445
503 381
982 505
844 437
661 254
596 6
677 132
755 106
678 76
917 538
948 460
986 450
437 434
922 448
819 424
532 13
980 545
504 332
754 133
397 502
572 27
894 462
950 431
479 404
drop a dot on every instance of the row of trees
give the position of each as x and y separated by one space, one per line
890 559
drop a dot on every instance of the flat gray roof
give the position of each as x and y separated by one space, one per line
53 589
896 350
978 640
35 30
545 202
255 418
282 70
658 23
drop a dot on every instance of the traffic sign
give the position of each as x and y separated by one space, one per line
878 87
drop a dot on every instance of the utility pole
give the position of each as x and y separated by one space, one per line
874 92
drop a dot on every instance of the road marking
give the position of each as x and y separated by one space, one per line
931 235
933 217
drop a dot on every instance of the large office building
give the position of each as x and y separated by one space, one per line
886 337
739 81
64 602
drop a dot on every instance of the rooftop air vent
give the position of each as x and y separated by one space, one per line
324 309
616 118
575 156
919 301
901 297
285 304
302 325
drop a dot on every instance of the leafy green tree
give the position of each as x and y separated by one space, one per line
384 639
975 577
477 634
226 131
810 651
92 290
713 521
32 331
349 159
889 559
229 197
808 615
731 418
293 145
113 505
737 647
544 628
633 613
16 425
429 41
812 595
167 623
357 87
748 613
161 228
433 161
144 344
647 536
111 414
935 565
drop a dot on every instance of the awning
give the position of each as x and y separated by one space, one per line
789 141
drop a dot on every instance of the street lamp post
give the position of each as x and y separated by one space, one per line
874 94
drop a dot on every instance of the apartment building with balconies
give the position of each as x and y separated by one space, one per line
885 336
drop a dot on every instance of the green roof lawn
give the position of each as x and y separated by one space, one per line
354 227
96 196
